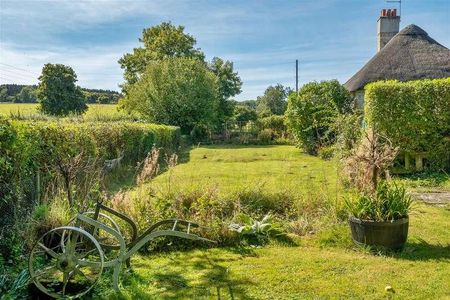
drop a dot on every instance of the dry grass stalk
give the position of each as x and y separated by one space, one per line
370 160
172 160
150 166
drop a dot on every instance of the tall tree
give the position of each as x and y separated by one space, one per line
273 102
167 41
177 91
229 85
57 93
159 42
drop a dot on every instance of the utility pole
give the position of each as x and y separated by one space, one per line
296 76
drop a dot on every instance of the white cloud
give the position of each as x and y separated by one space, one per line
96 67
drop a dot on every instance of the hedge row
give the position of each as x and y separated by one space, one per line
48 149
415 115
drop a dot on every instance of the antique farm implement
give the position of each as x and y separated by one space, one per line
66 262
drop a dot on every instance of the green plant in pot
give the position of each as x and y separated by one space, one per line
379 211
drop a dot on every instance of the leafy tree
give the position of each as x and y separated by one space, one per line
159 42
273 102
3 94
167 41
27 95
252 104
103 99
244 114
177 91
57 92
229 85
312 114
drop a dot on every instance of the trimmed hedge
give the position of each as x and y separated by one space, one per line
414 115
29 148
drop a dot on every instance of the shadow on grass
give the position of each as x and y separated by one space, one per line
285 240
202 277
421 251
122 178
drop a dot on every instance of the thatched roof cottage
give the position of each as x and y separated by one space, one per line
406 55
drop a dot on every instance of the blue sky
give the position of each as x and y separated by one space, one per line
331 38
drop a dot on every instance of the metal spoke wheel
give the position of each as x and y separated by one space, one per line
66 262
105 239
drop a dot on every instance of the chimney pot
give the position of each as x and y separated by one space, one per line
388 25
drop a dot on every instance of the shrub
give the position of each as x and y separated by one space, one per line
349 132
200 132
414 115
275 123
265 136
327 152
243 114
312 113
42 160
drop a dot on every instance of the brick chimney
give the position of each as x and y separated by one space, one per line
388 25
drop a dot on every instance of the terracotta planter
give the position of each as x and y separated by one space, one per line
391 235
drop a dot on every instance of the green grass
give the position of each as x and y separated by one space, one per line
26 109
272 168
307 271
423 182
322 266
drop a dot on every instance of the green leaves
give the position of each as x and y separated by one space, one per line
177 91
256 232
414 115
161 42
57 92
168 53
312 114
389 203
273 102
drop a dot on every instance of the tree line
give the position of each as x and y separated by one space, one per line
20 93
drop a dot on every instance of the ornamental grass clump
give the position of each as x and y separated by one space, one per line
389 203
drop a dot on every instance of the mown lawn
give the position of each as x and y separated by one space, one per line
25 109
322 266
233 168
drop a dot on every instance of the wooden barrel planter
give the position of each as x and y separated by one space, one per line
391 235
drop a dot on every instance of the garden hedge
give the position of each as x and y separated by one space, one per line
414 115
29 148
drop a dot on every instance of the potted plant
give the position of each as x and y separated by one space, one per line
379 212
380 219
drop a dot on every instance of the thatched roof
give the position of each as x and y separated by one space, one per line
411 54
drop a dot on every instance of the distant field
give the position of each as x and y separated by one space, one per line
6 109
